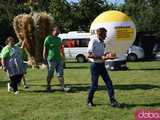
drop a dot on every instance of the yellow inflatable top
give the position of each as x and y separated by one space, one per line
111 16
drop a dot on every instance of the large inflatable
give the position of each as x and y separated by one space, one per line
121 30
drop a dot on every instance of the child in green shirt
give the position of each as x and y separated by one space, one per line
12 63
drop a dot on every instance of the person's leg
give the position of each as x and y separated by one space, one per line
9 87
50 74
24 76
109 86
94 82
61 81
59 71
63 87
24 81
107 81
18 79
13 83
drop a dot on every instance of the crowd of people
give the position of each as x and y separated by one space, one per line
14 62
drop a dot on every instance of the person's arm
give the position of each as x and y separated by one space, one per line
106 56
103 57
44 53
110 55
4 55
92 55
90 50
45 50
24 47
62 49
3 60
3 64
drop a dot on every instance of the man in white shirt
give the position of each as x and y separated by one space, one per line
97 56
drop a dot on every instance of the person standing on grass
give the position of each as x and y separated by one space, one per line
97 56
25 59
52 53
12 63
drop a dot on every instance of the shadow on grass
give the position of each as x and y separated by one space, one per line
77 67
45 91
85 87
41 91
3 83
135 86
81 87
130 106
144 69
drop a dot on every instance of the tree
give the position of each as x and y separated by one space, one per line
145 13
11 8
7 12
76 16
88 10
84 12
60 10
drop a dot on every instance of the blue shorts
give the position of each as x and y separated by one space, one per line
55 65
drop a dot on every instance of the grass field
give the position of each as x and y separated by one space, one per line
138 87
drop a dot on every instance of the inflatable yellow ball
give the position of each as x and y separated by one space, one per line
121 30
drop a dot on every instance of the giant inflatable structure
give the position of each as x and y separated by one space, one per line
121 30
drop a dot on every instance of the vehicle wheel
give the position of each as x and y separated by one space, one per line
80 59
132 57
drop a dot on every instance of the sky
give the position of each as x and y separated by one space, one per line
113 1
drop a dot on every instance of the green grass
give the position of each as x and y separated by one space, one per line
138 87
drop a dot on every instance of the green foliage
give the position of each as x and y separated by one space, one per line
88 10
41 5
60 10
79 16
8 10
5 31
145 14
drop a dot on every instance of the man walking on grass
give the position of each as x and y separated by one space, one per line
97 56
52 53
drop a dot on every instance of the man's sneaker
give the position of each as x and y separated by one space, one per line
26 87
9 87
66 89
16 93
114 103
90 104
48 88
